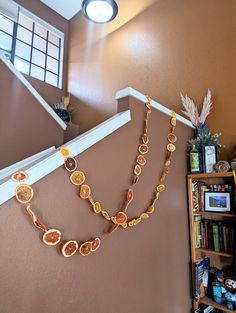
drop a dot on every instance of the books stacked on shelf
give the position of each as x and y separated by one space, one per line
198 190
200 283
215 235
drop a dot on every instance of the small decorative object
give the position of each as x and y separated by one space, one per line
194 160
62 109
230 285
217 201
209 158
230 300
218 293
203 137
233 161
222 167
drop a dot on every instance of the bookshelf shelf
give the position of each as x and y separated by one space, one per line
212 175
210 302
212 252
208 229
215 215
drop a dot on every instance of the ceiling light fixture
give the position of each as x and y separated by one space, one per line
99 11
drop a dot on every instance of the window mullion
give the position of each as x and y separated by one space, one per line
13 47
31 51
59 63
46 56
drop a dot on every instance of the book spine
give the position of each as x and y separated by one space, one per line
216 237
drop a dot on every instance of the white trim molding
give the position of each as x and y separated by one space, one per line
32 90
129 91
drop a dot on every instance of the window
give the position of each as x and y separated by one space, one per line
33 47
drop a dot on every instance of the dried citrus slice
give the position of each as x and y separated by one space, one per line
143 149
125 225
97 207
85 191
77 178
173 121
171 147
95 244
70 164
120 218
85 248
137 170
69 248
64 151
144 216
24 193
160 188
137 221
145 139
105 215
52 237
131 223
148 103
141 160
19 176
171 138
150 210
130 195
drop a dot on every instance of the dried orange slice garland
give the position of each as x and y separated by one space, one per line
52 237
121 218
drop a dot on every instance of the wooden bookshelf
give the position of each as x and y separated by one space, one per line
210 302
218 259
212 252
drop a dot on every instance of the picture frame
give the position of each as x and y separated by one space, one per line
217 201
209 158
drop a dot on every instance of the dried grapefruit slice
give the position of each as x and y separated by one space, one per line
144 216
85 248
85 191
143 149
24 193
19 176
52 237
173 121
130 195
70 164
120 218
141 160
69 248
95 244
137 170
77 178
97 207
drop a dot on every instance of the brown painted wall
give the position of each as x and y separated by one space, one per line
25 126
171 47
143 269
48 92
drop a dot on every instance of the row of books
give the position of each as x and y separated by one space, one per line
198 190
214 235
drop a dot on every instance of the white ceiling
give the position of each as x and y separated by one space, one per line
66 8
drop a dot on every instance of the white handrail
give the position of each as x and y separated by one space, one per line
129 91
32 90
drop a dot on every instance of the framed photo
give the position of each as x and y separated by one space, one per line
209 158
217 201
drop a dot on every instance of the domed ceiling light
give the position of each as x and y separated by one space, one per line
99 11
